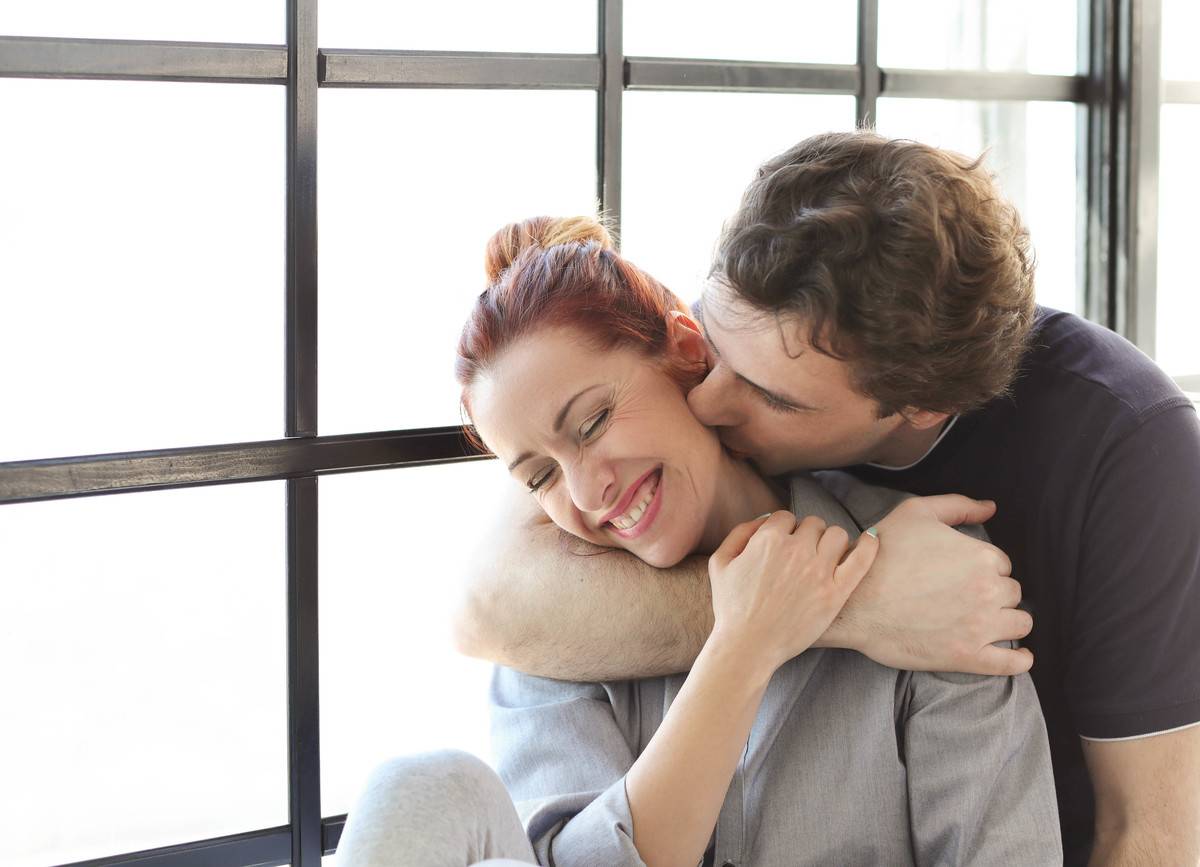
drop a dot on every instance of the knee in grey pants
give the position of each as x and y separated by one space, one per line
439 809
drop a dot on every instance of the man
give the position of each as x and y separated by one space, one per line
871 307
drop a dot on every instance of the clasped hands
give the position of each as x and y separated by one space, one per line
923 597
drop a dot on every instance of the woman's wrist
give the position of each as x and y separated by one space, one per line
743 654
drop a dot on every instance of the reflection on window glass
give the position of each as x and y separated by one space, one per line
214 21
141 265
687 158
1031 147
394 545
802 31
462 25
413 183
998 35
1176 346
144 665
1180 27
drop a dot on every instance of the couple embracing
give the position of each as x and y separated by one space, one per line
745 609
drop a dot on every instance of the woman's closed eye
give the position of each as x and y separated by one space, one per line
592 426
540 478
590 429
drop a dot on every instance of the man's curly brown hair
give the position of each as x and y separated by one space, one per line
910 253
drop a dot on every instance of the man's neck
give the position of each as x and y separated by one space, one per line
907 445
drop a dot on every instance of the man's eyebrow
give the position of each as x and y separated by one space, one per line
558 422
775 396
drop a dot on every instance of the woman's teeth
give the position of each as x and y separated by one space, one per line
641 500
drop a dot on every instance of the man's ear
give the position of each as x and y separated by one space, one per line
923 419
685 338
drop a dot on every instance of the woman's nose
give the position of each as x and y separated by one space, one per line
593 485
713 402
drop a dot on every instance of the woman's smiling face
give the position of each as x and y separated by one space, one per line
604 440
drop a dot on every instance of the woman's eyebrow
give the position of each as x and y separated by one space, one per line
558 421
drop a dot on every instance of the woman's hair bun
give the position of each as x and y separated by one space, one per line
508 243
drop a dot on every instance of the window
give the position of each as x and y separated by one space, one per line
207 537
1178 292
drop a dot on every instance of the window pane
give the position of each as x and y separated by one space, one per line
999 35
394 545
212 21
1181 24
413 183
143 650
802 31
463 25
1177 348
684 172
141 265
1032 150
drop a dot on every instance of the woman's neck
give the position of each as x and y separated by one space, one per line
744 494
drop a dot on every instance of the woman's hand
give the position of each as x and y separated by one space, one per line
777 585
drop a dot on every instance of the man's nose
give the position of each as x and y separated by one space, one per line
712 401
593 485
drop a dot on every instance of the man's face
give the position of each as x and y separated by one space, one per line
775 399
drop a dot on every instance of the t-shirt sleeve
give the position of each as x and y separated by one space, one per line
1134 653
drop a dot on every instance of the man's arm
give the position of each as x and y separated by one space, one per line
1147 799
548 604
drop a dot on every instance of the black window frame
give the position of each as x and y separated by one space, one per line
1117 89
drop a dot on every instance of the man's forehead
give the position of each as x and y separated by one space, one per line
741 324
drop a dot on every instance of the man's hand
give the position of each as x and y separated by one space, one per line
936 599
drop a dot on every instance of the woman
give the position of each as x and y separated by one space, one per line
574 366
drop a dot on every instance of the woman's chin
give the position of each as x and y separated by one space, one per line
661 554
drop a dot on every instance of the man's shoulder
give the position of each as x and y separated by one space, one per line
1072 362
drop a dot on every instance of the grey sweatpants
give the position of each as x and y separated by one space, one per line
439 809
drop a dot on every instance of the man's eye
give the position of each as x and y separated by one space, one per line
776 404
595 424
540 479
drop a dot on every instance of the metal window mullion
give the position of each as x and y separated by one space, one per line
609 103
160 469
1096 143
738 76
303 709
1139 85
302 219
141 60
304 742
1181 91
472 69
870 77
260 848
981 85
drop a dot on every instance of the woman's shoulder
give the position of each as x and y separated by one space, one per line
867 504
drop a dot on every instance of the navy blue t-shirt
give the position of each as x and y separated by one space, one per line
1094 464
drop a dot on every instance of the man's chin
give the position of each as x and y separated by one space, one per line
763 467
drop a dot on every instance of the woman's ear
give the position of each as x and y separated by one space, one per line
685 338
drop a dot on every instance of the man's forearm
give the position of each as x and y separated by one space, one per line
548 604
1135 847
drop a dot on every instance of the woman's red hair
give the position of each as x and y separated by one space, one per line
562 272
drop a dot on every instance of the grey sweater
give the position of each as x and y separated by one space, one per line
848 762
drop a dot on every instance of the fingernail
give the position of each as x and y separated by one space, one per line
872 531
765 515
